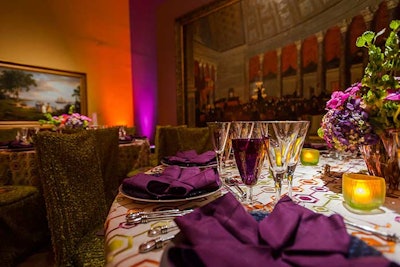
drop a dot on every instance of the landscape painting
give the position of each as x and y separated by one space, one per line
28 92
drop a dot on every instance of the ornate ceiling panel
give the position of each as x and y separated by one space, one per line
263 23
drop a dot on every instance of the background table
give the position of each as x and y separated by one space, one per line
20 167
315 191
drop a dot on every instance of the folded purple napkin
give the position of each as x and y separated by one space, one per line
127 137
4 143
222 233
174 182
19 145
191 157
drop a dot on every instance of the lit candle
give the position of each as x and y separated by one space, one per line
363 192
94 119
309 156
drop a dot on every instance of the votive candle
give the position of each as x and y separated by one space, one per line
309 156
363 192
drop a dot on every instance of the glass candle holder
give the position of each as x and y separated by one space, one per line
362 191
309 156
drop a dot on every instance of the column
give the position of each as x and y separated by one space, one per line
321 75
279 74
368 15
299 72
344 70
190 102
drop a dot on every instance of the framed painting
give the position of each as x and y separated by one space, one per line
29 92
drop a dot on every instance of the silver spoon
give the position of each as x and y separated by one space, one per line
154 244
160 230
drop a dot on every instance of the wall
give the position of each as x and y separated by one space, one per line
167 12
75 35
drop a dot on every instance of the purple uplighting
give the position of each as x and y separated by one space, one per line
144 65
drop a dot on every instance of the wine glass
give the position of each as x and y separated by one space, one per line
249 152
295 154
280 139
219 132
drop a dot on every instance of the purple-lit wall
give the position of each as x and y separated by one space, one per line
144 65
153 60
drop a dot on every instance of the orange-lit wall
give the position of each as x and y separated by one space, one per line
76 35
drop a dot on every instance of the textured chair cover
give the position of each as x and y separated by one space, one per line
197 138
107 144
71 175
166 141
23 224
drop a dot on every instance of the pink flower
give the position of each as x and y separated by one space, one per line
393 97
353 89
337 99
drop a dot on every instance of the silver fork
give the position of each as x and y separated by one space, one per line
386 236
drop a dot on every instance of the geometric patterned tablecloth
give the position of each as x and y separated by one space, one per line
314 190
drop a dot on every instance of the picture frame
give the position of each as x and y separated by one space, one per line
28 92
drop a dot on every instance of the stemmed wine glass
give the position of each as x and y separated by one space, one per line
295 154
249 152
280 139
219 132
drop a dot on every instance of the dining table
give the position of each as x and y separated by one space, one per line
19 166
317 188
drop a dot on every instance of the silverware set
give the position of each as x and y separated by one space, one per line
154 244
160 230
144 217
158 242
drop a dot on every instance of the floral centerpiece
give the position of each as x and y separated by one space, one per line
367 114
71 120
371 108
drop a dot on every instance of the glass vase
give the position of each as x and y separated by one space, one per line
381 160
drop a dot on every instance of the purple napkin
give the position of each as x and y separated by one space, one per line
174 182
222 233
191 157
19 145
127 137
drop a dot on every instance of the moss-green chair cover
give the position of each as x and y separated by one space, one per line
23 224
197 138
166 141
107 144
71 176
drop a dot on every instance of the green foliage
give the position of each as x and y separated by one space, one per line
380 77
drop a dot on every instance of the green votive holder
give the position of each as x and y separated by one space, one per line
309 156
363 192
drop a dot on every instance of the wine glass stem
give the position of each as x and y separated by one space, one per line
249 195
290 184
278 185
219 164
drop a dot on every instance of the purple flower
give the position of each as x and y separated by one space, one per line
345 126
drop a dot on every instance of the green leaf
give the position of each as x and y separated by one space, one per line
368 36
394 24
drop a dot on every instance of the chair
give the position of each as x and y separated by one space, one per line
171 139
197 138
23 224
107 144
71 176
166 141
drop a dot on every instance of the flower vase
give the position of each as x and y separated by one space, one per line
381 160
